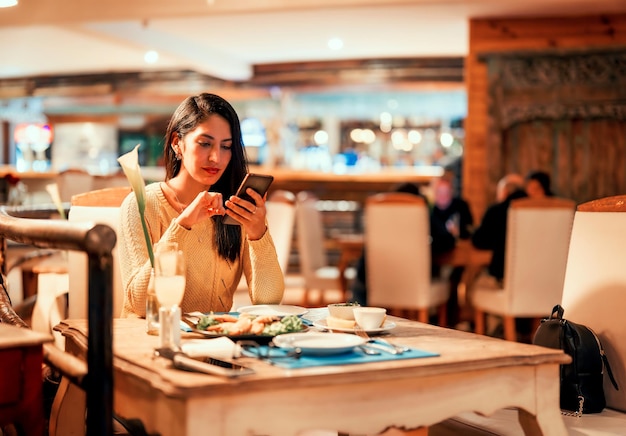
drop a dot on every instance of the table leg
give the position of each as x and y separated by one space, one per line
548 419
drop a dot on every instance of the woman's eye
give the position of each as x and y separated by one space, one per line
226 146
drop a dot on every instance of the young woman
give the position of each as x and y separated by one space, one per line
205 163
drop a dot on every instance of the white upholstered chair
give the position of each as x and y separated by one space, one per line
314 265
537 241
398 256
594 291
100 207
281 215
594 294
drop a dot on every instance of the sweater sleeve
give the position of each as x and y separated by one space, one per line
134 260
265 278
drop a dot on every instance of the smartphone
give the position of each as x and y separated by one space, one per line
204 364
259 182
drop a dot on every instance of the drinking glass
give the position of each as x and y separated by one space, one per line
169 286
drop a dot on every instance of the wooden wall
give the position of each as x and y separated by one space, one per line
516 35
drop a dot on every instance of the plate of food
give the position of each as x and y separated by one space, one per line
319 344
273 310
347 327
244 326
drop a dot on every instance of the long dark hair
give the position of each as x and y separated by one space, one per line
189 114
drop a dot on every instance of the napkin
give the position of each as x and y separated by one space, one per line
220 348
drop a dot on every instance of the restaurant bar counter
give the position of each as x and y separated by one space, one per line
351 186
468 372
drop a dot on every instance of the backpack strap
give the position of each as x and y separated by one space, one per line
557 312
608 369
605 360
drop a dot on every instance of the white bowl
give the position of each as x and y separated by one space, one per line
369 318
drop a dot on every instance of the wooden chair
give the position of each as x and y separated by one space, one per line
96 377
314 266
537 241
109 181
100 207
398 259
73 181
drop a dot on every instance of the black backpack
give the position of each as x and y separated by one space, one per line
581 380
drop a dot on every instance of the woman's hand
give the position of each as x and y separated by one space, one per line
204 206
250 215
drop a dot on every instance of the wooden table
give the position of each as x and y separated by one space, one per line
350 249
472 373
21 396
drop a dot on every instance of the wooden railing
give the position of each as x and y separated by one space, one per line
97 241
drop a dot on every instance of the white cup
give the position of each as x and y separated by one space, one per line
369 318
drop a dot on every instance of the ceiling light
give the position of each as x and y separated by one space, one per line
446 139
7 3
151 57
335 43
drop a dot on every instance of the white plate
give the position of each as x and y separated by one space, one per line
273 310
319 344
388 325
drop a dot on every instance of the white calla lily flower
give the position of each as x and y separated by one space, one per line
53 190
130 165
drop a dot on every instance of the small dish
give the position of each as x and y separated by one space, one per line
319 344
342 310
388 325
273 310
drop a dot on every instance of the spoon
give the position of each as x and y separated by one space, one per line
368 350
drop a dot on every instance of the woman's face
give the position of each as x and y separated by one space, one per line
534 189
206 150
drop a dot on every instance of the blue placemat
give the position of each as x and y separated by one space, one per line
353 357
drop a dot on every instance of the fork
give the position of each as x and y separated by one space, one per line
381 344
194 328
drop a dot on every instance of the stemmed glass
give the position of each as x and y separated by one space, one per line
169 286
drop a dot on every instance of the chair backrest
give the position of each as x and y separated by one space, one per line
309 235
397 244
281 213
109 180
537 241
73 181
594 292
100 207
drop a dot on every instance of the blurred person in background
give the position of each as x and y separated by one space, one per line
451 214
537 184
450 220
491 233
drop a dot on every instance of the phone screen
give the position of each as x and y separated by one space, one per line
259 182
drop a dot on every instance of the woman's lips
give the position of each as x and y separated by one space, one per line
212 171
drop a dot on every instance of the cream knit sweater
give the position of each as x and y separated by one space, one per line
211 279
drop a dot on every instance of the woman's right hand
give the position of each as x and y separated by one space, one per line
204 206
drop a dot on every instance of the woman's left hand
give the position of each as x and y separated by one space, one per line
250 215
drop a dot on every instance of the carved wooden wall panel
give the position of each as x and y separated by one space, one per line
564 113
585 151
